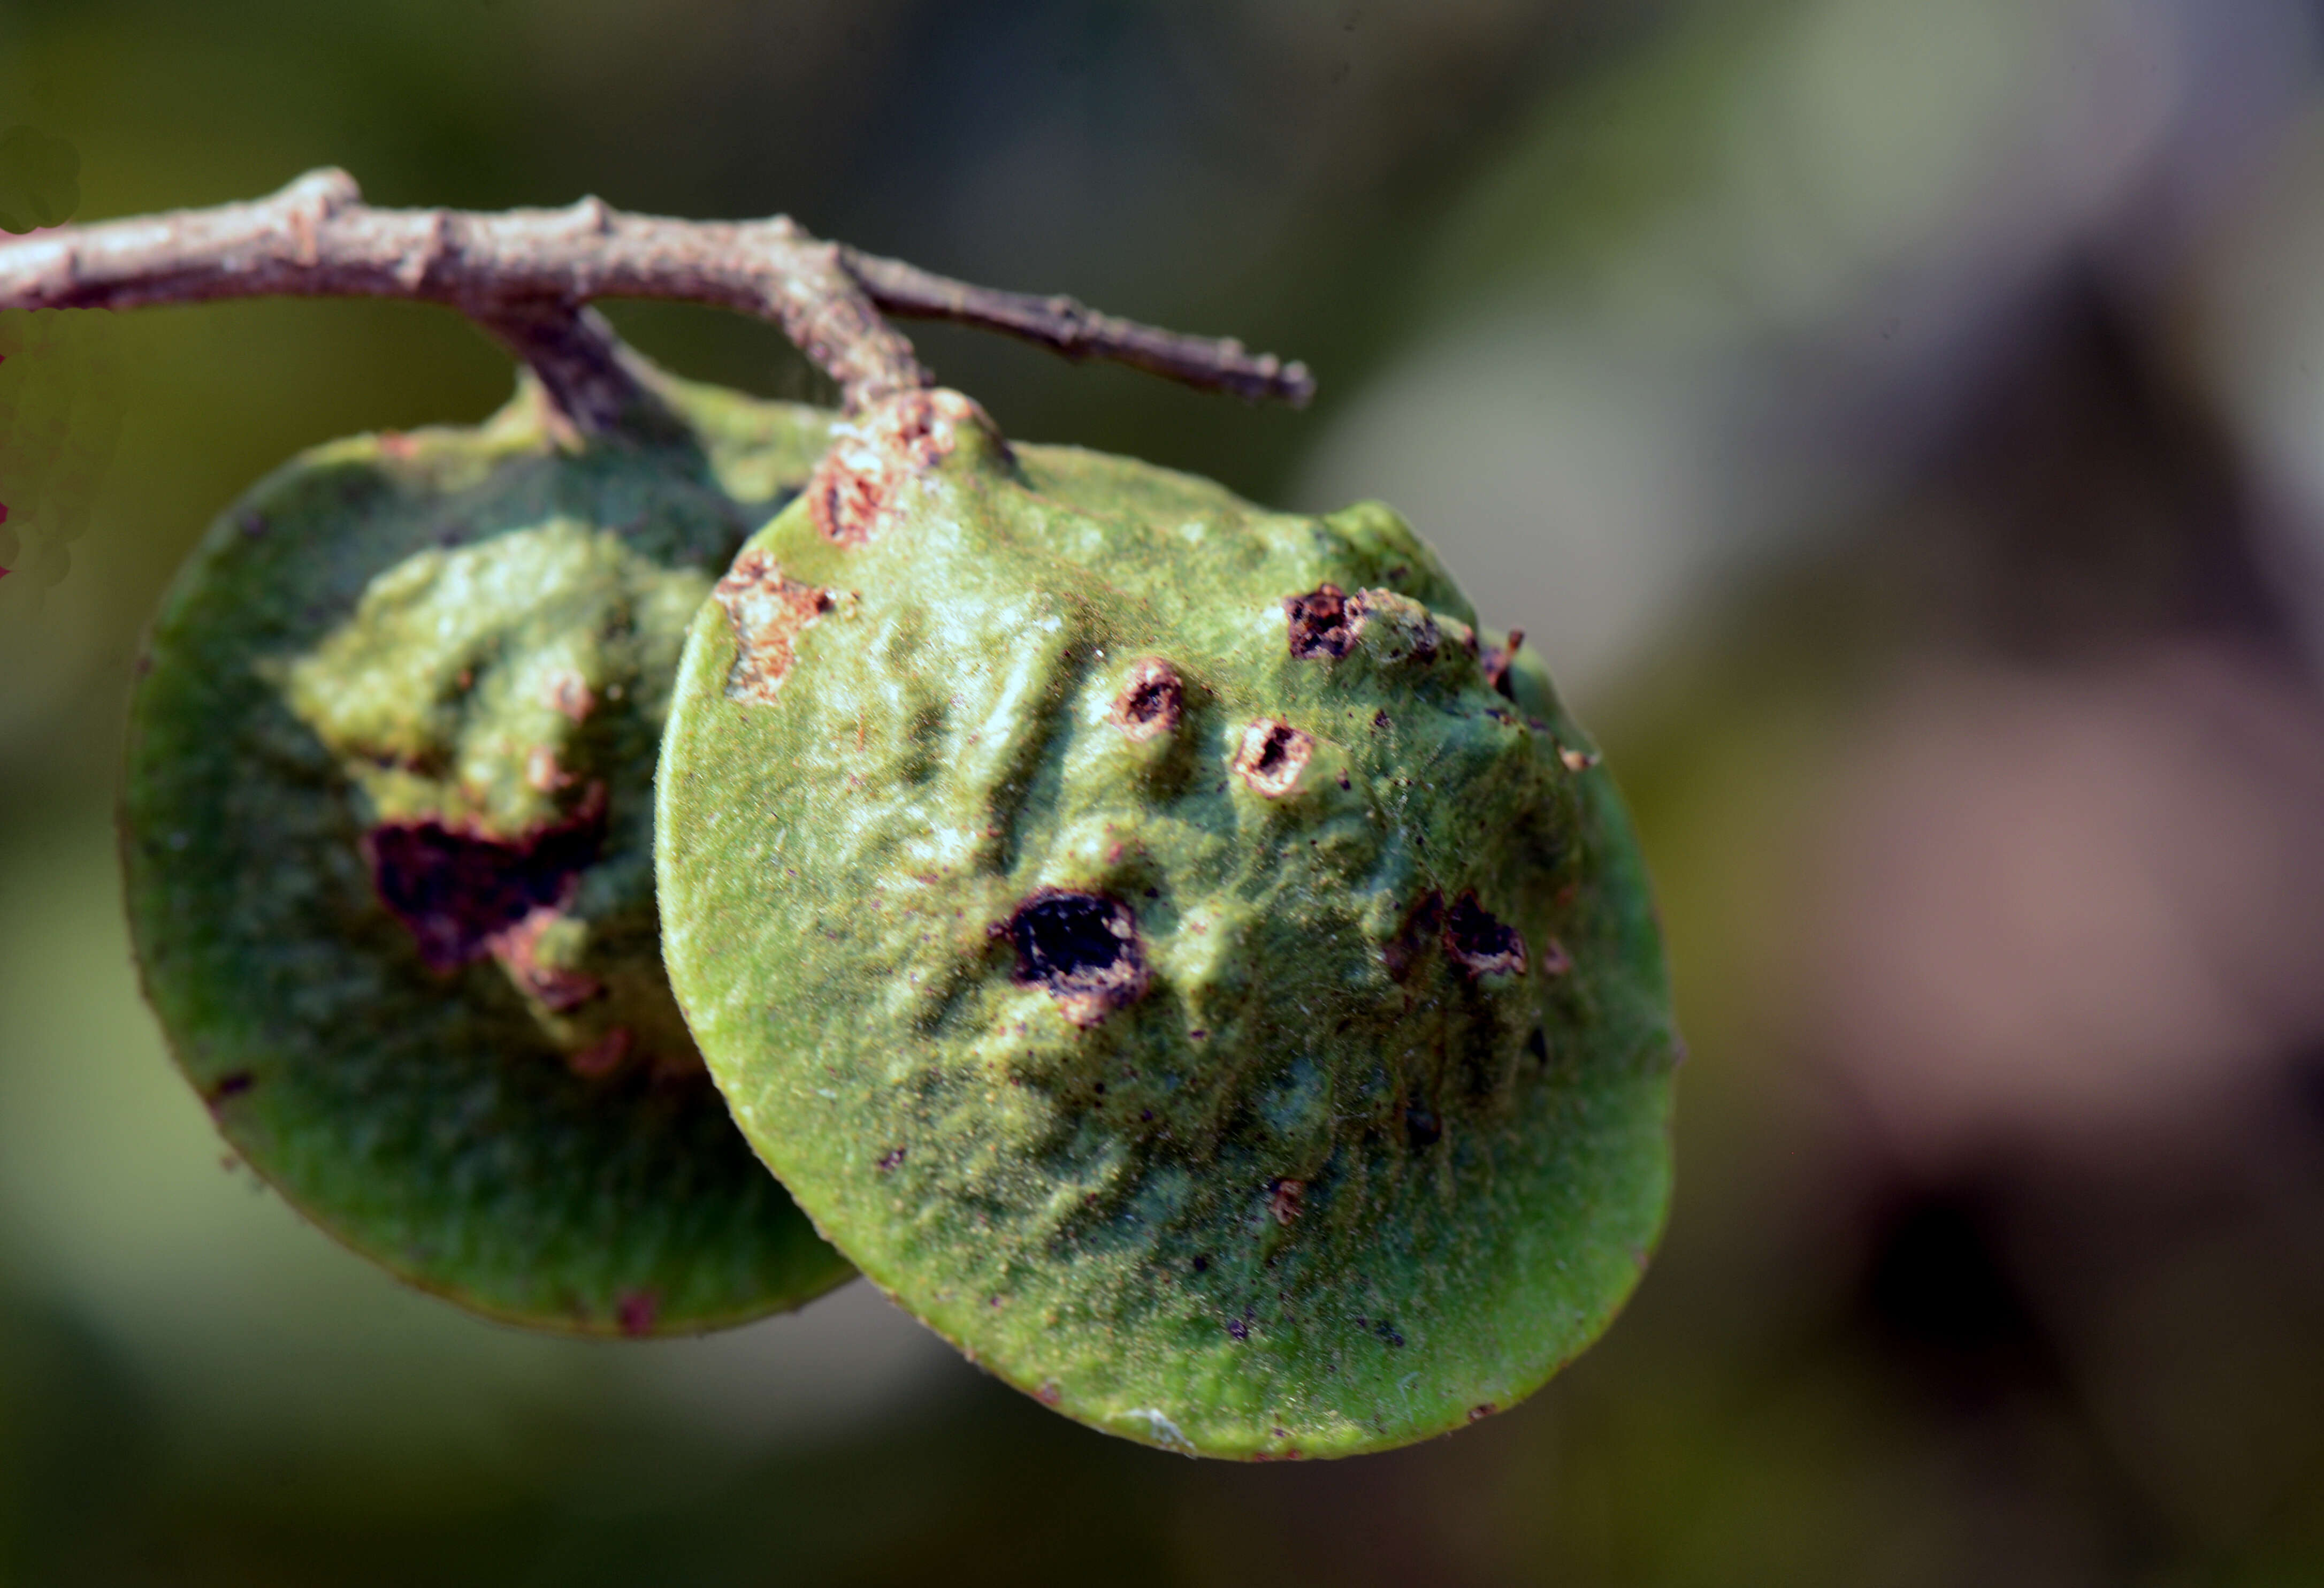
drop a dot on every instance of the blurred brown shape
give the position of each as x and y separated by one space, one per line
2074 903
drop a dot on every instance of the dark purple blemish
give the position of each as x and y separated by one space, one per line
890 1158
1238 1328
1386 1331
232 1084
1202 1265
636 1312
457 892
1322 623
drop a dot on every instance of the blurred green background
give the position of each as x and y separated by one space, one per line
1901 424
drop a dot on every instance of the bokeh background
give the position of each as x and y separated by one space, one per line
1900 422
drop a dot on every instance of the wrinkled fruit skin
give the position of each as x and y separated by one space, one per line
388 837
1164 945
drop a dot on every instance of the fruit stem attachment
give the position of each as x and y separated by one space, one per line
527 276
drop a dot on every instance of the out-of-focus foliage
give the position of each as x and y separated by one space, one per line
62 383
1897 417
40 180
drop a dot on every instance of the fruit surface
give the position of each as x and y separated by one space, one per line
387 832
1164 944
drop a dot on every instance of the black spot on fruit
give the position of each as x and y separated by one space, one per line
1480 944
1422 1128
1083 947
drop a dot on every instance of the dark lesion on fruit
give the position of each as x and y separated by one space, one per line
1083 947
1272 756
461 895
1421 1126
1479 943
1151 702
1323 624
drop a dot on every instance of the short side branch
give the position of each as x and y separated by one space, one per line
1067 326
528 275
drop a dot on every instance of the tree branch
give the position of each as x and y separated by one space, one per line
528 275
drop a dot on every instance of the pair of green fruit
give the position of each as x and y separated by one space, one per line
1165 945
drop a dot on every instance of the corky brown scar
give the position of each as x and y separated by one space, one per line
1150 703
1272 756
560 988
856 487
1322 624
767 612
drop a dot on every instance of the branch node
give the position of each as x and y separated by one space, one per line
592 216
322 192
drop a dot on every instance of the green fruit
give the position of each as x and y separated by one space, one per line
388 837
1164 945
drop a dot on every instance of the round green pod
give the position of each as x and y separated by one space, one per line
387 836
1164 945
